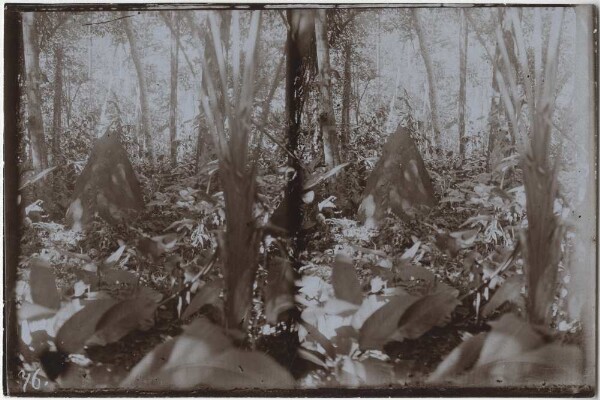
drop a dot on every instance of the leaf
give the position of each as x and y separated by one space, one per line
553 363
123 318
314 335
378 328
510 336
411 252
335 306
29 311
233 369
459 360
43 284
369 305
427 312
315 180
279 289
207 294
73 334
312 356
114 257
367 373
204 357
200 340
119 276
509 291
345 282
37 177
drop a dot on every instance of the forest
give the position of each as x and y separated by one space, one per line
271 200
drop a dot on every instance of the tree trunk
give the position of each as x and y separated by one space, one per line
462 92
326 113
58 98
174 80
430 77
35 123
298 54
346 94
494 115
144 107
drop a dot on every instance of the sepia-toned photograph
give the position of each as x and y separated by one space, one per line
300 200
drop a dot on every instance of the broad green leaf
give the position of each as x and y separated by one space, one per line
459 360
553 364
73 334
207 294
203 357
378 328
509 337
510 291
314 335
279 289
369 305
43 284
345 282
122 318
427 312
232 369
199 341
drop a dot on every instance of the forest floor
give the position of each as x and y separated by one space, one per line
455 248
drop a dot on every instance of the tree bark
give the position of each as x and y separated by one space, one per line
298 53
430 76
462 92
143 88
346 94
326 114
494 115
174 80
35 123
58 98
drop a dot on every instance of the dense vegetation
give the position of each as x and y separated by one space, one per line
281 199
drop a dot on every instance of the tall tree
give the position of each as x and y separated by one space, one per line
299 58
174 80
462 92
430 75
58 99
327 124
143 88
346 92
33 75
